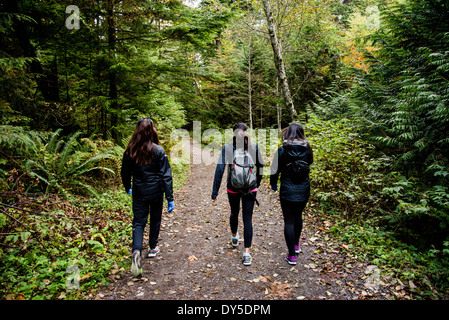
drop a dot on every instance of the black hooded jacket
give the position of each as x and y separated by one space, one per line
297 150
149 181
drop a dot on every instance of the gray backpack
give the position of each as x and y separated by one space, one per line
243 170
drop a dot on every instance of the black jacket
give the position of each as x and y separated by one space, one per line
298 150
149 181
226 158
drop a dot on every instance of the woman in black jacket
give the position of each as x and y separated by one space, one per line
247 196
292 162
146 163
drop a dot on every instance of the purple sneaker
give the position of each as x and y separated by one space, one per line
290 259
298 248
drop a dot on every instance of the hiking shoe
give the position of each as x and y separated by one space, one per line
247 259
290 259
298 248
136 268
153 252
235 240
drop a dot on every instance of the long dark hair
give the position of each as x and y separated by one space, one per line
140 147
241 137
295 131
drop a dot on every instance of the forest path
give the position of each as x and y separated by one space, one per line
197 261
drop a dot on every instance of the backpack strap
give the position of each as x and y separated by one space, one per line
248 192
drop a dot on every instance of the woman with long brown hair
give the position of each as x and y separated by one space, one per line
146 164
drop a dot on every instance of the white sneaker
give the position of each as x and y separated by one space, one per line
235 241
153 252
136 268
247 259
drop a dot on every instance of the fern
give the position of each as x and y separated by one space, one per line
406 92
16 140
63 165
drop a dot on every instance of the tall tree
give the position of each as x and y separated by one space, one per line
279 60
113 94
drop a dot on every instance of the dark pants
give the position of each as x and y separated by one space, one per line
141 209
247 214
292 212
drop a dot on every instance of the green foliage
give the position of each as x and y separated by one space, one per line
104 76
65 248
425 273
406 90
66 251
16 140
346 174
375 210
404 102
62 164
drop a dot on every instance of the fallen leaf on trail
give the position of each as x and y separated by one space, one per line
277 289
86 276
264 279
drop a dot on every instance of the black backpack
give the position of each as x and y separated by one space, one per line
299 170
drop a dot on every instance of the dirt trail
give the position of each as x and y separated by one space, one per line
197 261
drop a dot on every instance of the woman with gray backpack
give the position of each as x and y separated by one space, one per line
245 170
292 161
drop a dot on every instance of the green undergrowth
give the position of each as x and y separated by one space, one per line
66 246
352 184
67 251
424 273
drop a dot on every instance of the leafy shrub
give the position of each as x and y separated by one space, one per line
346 175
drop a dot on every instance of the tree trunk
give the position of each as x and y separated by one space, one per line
278 106
250 103
112 75
279 61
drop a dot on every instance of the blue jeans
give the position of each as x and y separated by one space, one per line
141 209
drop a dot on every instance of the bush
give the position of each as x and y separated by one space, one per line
347 175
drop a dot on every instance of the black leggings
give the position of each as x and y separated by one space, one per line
141 209
247 214
292 212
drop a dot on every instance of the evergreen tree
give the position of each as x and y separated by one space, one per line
406 89
405 99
